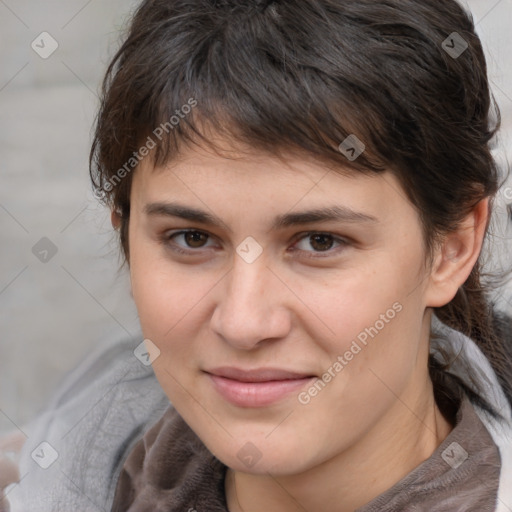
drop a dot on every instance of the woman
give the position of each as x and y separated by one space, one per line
302 192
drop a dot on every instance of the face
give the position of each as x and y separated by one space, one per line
285 338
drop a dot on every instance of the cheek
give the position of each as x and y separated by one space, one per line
164 294
371 362
167 302
355 304
373 320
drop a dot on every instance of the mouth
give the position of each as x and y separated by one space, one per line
258 387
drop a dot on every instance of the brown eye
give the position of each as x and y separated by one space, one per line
191 241
320 243
195 239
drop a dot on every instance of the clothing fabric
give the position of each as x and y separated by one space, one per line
110 414
170 470
100 409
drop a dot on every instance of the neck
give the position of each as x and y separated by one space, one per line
354 477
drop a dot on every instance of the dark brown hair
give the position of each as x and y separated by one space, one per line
408 78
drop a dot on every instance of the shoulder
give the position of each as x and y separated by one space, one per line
169 467
99 411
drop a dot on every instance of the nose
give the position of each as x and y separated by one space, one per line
251 307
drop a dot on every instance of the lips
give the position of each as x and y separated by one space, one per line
256 387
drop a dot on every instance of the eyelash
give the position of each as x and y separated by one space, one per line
166 239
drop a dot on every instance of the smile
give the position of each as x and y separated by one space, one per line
256 388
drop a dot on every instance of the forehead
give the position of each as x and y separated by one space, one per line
238 178
202 166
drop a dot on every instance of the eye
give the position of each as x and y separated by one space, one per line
193 240
321 243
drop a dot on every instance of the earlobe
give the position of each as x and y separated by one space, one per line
456 256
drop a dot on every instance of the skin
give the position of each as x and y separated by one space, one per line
11 442
376 419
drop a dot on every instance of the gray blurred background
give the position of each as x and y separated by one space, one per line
55 308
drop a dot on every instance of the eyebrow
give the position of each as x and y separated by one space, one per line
331 213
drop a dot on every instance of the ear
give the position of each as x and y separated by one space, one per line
456 256
115 218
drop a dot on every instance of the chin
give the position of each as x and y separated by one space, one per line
261 457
